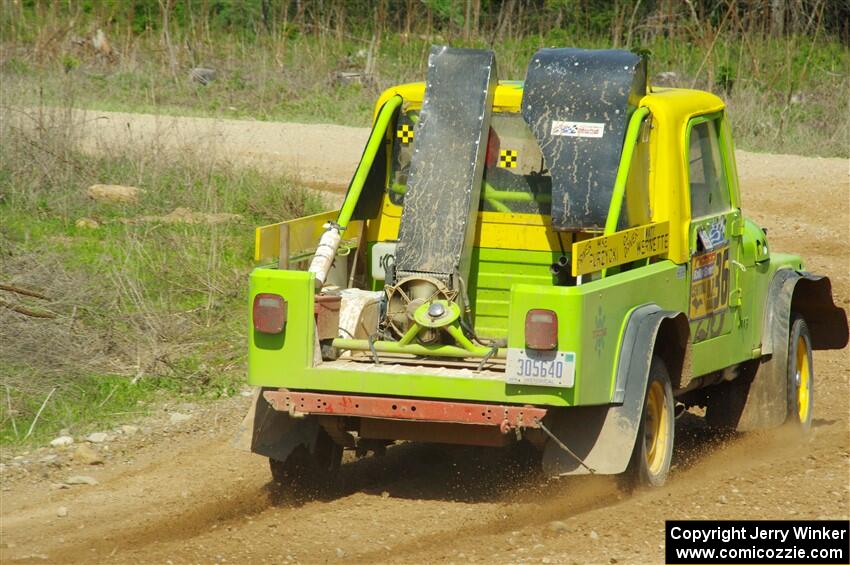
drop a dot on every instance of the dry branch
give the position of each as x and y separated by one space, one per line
23 291
26 311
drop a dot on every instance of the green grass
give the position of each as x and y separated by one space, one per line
161 305
81 405
781 92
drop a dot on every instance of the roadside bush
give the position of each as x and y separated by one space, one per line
129 301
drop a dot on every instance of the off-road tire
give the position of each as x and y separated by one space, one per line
801 375
653 450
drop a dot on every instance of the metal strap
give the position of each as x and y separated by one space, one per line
564 447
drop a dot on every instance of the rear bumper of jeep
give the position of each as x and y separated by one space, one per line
303 403
415 419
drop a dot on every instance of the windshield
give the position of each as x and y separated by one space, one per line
515 178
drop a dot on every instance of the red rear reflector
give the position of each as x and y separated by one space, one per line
269 313
541 329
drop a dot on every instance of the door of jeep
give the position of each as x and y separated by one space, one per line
714 240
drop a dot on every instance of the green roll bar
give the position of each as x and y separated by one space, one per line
623 170
419 349
493 196
513 196
629 143
379 132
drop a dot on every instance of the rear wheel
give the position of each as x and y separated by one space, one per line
307 472
653 451
800 375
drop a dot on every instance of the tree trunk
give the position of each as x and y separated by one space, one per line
408 17
165 9
631 27
777 17
617 28
467 15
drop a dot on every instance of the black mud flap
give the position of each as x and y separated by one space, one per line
603 436
444 184
766 392
577 103
274 434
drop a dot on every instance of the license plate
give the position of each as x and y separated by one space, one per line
540 368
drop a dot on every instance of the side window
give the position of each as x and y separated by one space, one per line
707 178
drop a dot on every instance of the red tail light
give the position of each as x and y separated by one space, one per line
269 313
541 329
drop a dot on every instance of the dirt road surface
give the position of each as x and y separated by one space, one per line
178 493
321 155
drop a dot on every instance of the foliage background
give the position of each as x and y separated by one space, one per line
782 65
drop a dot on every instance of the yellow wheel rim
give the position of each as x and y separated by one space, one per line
655 426
804 380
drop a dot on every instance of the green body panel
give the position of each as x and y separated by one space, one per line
270 357
592 318
493 273
715 339
591 321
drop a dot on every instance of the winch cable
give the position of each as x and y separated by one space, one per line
374 351
486 358
560 444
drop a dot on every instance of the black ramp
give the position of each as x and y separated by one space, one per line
577 103
444 184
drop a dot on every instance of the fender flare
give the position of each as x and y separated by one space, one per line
766 404
604 436
811 296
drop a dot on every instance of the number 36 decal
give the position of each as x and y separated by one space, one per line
709 283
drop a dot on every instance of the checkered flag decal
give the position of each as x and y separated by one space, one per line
507 158
405 134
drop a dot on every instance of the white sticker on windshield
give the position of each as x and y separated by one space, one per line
577 129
